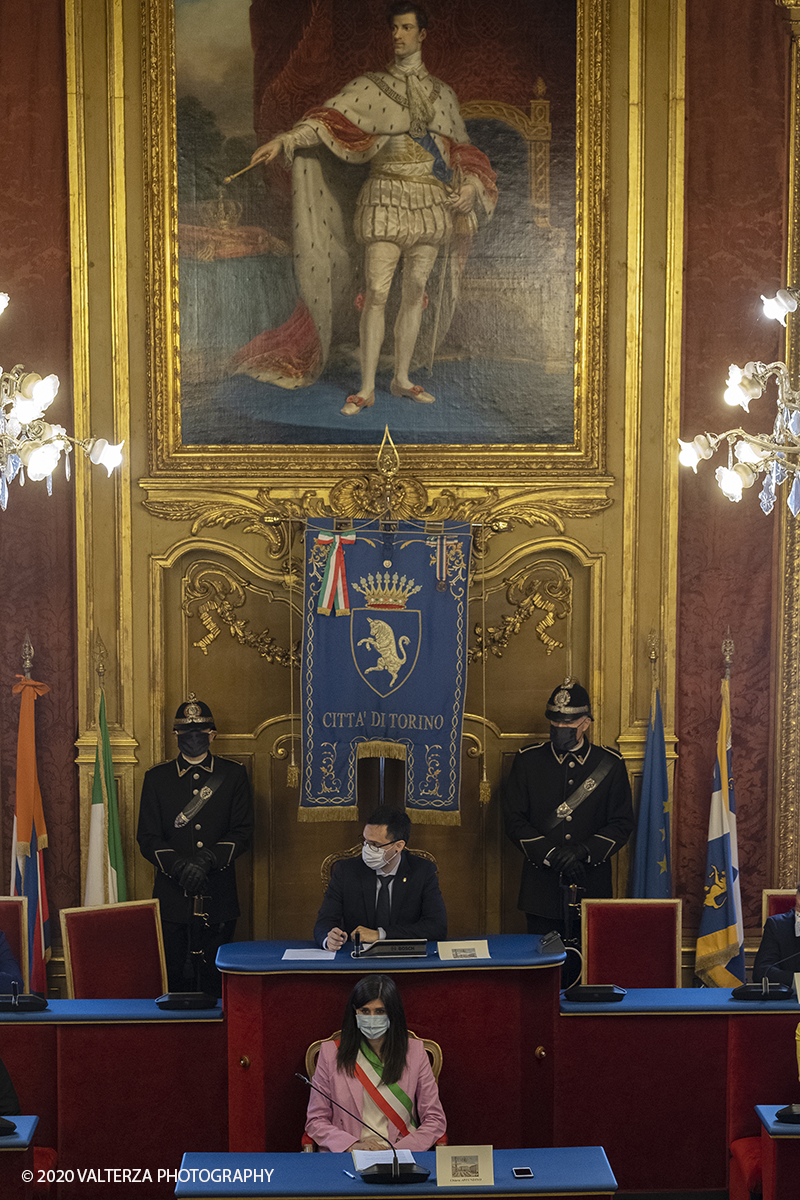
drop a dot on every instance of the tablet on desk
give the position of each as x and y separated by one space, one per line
393 948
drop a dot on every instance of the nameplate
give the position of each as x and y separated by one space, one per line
463 951
465 1166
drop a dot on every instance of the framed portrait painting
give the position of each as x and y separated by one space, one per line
418 243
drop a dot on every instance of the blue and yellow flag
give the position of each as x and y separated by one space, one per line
719 958
388 680
652 864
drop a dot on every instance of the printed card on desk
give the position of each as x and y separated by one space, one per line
310 953
464 1166
479 948
368 1158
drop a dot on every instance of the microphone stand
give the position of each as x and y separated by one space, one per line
397 1172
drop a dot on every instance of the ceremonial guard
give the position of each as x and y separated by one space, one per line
568 807
195 819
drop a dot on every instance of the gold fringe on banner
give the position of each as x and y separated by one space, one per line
327 814
381 750
433 816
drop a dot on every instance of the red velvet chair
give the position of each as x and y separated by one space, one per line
14 924
114 951
775 901
634 943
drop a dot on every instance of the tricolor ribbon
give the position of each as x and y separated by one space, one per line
333 592
443 544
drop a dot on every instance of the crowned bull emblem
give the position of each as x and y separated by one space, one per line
386 628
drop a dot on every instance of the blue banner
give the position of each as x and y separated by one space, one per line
652 871
384 663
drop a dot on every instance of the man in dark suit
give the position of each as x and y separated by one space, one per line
778 956
195 818
386 893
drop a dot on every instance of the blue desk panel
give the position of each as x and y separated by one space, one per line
61 1012
580 1169
775 1129
24 1135
266 958
678 1002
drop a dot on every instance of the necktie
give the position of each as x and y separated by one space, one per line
382 911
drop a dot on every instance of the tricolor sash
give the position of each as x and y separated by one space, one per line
390 1098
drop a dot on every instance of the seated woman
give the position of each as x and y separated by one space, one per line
377 1072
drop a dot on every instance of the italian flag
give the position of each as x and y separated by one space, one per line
105 868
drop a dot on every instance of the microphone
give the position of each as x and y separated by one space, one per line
356 944
766 990
397 1172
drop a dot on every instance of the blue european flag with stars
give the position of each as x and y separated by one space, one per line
652 864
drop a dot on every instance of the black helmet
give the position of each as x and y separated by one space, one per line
569 702
193 714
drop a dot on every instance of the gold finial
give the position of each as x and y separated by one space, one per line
728 652
388 458
100 656
27 655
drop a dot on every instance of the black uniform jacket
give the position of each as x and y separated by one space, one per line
224 825
538 782
417 906
778 945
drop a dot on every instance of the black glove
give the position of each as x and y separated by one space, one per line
195 871
575 872
562 858
177 868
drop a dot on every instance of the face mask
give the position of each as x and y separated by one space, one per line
373 1025
372 857
193 744
563 738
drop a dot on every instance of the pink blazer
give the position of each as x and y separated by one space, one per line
335 1130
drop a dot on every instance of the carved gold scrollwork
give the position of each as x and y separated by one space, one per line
361 496
213 594
543 587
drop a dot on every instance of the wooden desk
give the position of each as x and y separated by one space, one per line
582 1171
780 1155
16 1160
488 1016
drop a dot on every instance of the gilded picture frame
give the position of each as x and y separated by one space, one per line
456 458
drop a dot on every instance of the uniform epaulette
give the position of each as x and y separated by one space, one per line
534 746
611 750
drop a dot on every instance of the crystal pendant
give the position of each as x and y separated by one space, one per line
49 485
12 466
794 423
778 474
767 495
3 492
793 499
